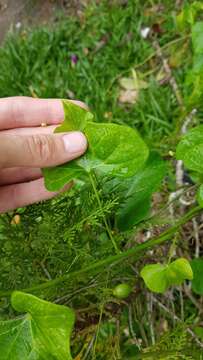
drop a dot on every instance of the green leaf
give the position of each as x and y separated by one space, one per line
138 191
200 196
197 37
178 271
190 149
194 78
41 334
198 330
113 149
155 277
158 277
76 117
197 282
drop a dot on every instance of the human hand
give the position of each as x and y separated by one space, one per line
26 146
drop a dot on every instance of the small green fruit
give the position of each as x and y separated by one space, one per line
122 291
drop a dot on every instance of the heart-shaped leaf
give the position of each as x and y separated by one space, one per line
158 277
155 278
43 333
113 149
178 271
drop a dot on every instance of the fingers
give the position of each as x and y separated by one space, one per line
18 175
19 195
40 150
25 112
30 131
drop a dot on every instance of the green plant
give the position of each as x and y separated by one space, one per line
64 250
159 277
43 333
197 283
113 150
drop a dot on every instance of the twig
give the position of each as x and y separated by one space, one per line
188 120
131 327
181 304
192 299
173 196
150 312
168 71
179 163
45 271
196 235
89 347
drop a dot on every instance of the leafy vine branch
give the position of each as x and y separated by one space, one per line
114 259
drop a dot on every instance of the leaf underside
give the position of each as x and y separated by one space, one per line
113 149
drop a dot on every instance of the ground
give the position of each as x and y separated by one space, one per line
18 13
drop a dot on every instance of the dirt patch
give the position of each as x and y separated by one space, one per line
18 13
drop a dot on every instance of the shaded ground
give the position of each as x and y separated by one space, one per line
17 13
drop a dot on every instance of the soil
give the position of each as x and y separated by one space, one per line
15 14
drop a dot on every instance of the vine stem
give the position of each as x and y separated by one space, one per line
114 259
103 215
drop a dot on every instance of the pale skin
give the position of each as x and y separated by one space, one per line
27 145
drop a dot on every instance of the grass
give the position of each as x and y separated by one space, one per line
66 234
38 62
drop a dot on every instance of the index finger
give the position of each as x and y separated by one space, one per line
20 111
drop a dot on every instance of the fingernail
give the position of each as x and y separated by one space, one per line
75 142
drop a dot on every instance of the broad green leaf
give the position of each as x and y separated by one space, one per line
113 149
190 149
155 278
41 334
158 277
197 282
138 191
178 271
200 196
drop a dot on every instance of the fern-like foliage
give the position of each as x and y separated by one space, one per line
173 345
52 237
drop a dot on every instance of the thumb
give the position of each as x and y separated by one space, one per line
40 150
